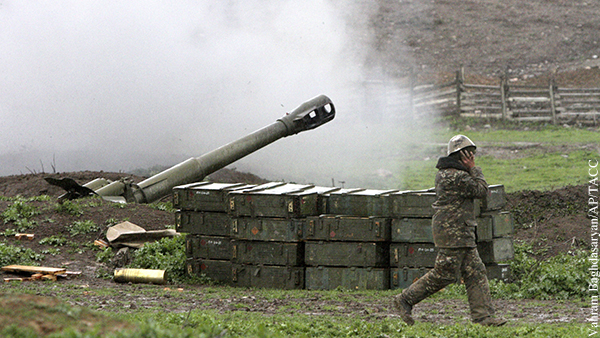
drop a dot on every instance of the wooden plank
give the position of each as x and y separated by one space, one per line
490 115
577 93
33 269
451 91
469 95
474 86
529 92
435 102
575 90
529 99
483 108
533 118
583 114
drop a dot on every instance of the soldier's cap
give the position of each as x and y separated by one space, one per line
460 142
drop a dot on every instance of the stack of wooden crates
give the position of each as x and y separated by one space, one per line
292 236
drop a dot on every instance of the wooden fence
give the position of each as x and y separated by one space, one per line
509 101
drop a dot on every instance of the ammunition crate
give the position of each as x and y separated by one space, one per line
268 276
359 202
412 230
495 199
203 223
496 250
413 203
267 229
347 228
283 200
499 271
484 231
268 253
209 247
358 254
401 278
353 278
500 223
218 271
413 255
205 196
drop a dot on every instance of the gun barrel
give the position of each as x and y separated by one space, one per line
308 115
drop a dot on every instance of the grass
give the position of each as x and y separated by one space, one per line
533 171
72 321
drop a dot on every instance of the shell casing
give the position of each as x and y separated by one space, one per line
140 276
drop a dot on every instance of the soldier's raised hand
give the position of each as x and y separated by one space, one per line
467 158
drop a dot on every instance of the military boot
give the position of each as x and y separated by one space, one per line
492 321
404 309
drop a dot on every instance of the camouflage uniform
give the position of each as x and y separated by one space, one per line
454 233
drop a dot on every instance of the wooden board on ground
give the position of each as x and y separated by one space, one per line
34 269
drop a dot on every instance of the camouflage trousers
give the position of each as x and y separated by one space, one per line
448 264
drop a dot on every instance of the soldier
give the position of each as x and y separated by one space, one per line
457 183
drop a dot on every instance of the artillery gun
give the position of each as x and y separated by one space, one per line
309 115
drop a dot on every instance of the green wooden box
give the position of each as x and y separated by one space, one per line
268 276
497 250
359 254
268 253
401 278
413 203
203 223
484 230
205 196
359 202
218 271
347 228
209 247
500 222
268 229
412 230
499 271
353 278
414 255
283 200
495 199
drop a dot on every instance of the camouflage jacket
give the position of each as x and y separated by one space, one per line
454 223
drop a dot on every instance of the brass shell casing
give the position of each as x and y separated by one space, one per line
140 276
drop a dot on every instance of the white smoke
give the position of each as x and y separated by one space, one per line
119 85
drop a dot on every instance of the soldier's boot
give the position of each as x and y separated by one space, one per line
404 309
492 321
412 295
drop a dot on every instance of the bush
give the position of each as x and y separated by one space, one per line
564 276
82 227
69 207
167 254
19 210
10 254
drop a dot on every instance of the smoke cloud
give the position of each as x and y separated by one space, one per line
119 85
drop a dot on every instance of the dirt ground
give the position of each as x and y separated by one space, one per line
528 41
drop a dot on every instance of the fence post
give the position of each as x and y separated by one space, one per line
503 87
552 102
460 79
411 92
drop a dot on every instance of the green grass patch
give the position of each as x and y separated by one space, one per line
73 208
82 227
248 324
54 240
11 254
548 134
533 171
